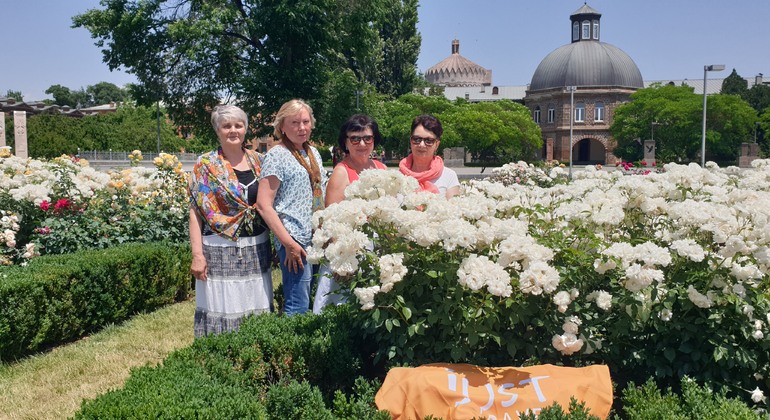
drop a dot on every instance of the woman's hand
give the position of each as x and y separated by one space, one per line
199 267
294 254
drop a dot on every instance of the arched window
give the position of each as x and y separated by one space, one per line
575 31
551 113
586 29
596 29
495 90
580 112
599 111
536 115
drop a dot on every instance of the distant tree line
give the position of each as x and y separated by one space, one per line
675 113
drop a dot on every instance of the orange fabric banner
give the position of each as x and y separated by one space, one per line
462 391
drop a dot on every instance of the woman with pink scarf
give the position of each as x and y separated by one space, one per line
423 164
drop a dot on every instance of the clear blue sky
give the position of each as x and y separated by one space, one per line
668 39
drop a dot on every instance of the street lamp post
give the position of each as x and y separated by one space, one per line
706 69
571 90
652 130
756 127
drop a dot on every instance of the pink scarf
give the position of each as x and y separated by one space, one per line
435 170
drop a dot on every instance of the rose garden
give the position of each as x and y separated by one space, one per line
662 277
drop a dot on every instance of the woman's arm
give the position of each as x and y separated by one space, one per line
199 266
268 187
335 190
453 191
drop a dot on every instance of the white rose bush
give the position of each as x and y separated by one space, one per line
63 204
662 275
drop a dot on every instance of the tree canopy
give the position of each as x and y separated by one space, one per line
98 94
194 54
130 127
677 110
491 131
15 94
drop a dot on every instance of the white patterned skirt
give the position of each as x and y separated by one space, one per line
239 283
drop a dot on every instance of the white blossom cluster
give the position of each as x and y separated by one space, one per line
568 342
714 219
524 173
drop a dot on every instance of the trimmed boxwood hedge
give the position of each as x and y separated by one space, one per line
289 367
318 367
59 298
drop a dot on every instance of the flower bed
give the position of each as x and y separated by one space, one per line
662 275
63 205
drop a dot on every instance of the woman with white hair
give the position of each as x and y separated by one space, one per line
290 190
231 254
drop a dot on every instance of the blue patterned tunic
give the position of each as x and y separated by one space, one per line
293 200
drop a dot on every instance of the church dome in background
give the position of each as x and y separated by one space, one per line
457 70
586 61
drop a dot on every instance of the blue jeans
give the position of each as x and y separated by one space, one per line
296 286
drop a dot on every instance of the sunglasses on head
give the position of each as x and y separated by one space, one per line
429 141
359 139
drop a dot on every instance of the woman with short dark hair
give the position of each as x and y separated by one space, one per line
423 164
358 137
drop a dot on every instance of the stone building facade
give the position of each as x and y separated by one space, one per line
575 90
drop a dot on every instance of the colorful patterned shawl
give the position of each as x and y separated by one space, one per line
217 196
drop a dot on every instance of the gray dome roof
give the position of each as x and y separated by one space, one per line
587 63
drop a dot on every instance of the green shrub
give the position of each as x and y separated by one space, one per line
360 403
180 389
695 402
287 364
577 411
296 400
59 298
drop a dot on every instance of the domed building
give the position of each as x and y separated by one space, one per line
590 77
457 71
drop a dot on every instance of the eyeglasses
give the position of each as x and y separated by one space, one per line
359 139
429 141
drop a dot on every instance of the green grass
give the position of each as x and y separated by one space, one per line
53 384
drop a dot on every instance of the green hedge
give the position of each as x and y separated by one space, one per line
316 367
58 298
290 367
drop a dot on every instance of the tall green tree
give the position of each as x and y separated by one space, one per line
52 135
105 92
679 114
759 97
15 94
63 95
401 47
735 85
491 132
193 54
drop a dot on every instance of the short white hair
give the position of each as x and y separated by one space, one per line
227 112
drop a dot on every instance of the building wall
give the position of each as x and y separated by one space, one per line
558 130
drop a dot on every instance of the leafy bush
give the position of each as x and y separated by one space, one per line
64 205
695 402
180 389
296 400
57 298
360 403
576 411
288 364
661 275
